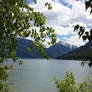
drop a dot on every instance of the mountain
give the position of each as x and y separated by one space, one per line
53 51
22 52
59 48
81 53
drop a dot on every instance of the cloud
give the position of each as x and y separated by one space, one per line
79 14
64 31
59 15
74 40
62 18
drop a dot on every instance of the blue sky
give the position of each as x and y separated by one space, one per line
63 16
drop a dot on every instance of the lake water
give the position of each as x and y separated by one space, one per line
36 75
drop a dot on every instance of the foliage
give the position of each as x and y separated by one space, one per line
81 30
18 19
69 84
5 84
84 34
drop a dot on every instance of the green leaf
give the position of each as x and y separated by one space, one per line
46 3
21 62
28 49
76 27
35 1
87 4
13 53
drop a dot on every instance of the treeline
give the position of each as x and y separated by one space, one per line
81 53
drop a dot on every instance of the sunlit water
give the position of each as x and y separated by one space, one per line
36 75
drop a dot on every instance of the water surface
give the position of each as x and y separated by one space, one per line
36 75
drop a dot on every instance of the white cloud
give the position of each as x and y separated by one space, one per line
64 31
79 15
62 15
59 15
75 40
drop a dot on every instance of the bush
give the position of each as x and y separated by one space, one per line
69 84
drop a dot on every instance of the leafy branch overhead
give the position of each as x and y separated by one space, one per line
83 33
86 35
18 19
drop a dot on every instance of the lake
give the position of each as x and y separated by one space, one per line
36 75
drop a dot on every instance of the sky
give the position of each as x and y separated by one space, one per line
62 17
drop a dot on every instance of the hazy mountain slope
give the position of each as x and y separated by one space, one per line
83 52
59 48
22 52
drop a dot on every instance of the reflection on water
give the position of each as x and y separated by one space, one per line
36 75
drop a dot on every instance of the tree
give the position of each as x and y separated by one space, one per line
85 35
18 19
69 84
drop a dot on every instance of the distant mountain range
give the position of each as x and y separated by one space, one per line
53 51
81 53
59 48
